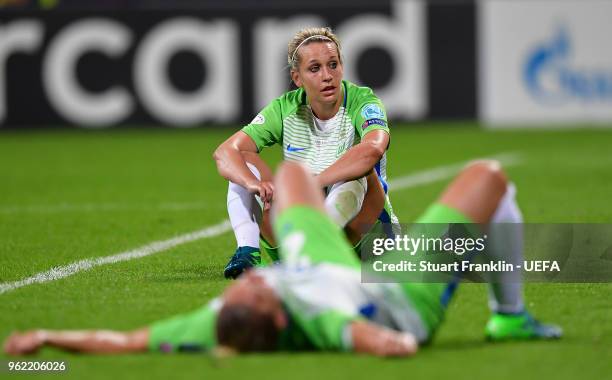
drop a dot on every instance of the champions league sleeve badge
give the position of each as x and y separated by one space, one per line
372 111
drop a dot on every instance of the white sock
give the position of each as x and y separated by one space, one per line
505 242
244 212
344 200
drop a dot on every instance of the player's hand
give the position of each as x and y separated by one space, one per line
24 343
398 344
264 189
374 339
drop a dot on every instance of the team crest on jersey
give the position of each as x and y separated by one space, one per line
259 119
372 111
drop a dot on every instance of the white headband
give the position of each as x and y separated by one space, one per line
303 42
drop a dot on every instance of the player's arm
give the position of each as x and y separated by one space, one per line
93 341
232 166
369 338
358 161
333 330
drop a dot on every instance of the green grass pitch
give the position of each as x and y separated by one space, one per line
67 195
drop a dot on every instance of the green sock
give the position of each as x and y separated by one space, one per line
267 248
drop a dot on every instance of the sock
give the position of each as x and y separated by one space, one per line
271 251
505 242
244 212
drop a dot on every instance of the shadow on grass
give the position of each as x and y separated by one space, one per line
457 345
202 274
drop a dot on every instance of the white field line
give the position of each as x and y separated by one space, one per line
444 172
411 180
416 179
146 250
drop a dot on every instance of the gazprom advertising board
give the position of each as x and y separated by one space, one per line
545 62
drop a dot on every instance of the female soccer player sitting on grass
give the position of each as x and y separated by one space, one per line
314 299
339 130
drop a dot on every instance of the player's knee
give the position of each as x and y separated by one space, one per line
488 171
289 169
342 207
344 200
216 156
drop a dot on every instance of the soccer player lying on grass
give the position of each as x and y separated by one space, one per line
314 298
336 128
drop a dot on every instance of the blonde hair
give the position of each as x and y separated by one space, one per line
306 36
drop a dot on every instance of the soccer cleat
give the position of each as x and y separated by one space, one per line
243 259
521 326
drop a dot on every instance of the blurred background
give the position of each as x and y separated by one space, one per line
107 64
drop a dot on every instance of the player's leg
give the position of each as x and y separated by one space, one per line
248 219
344 200
353 205
296 187
246 215
267 243
305 233
476 191
372 206
481 194
265 226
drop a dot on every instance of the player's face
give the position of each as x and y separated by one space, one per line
320 72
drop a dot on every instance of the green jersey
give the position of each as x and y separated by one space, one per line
290 122
319 284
